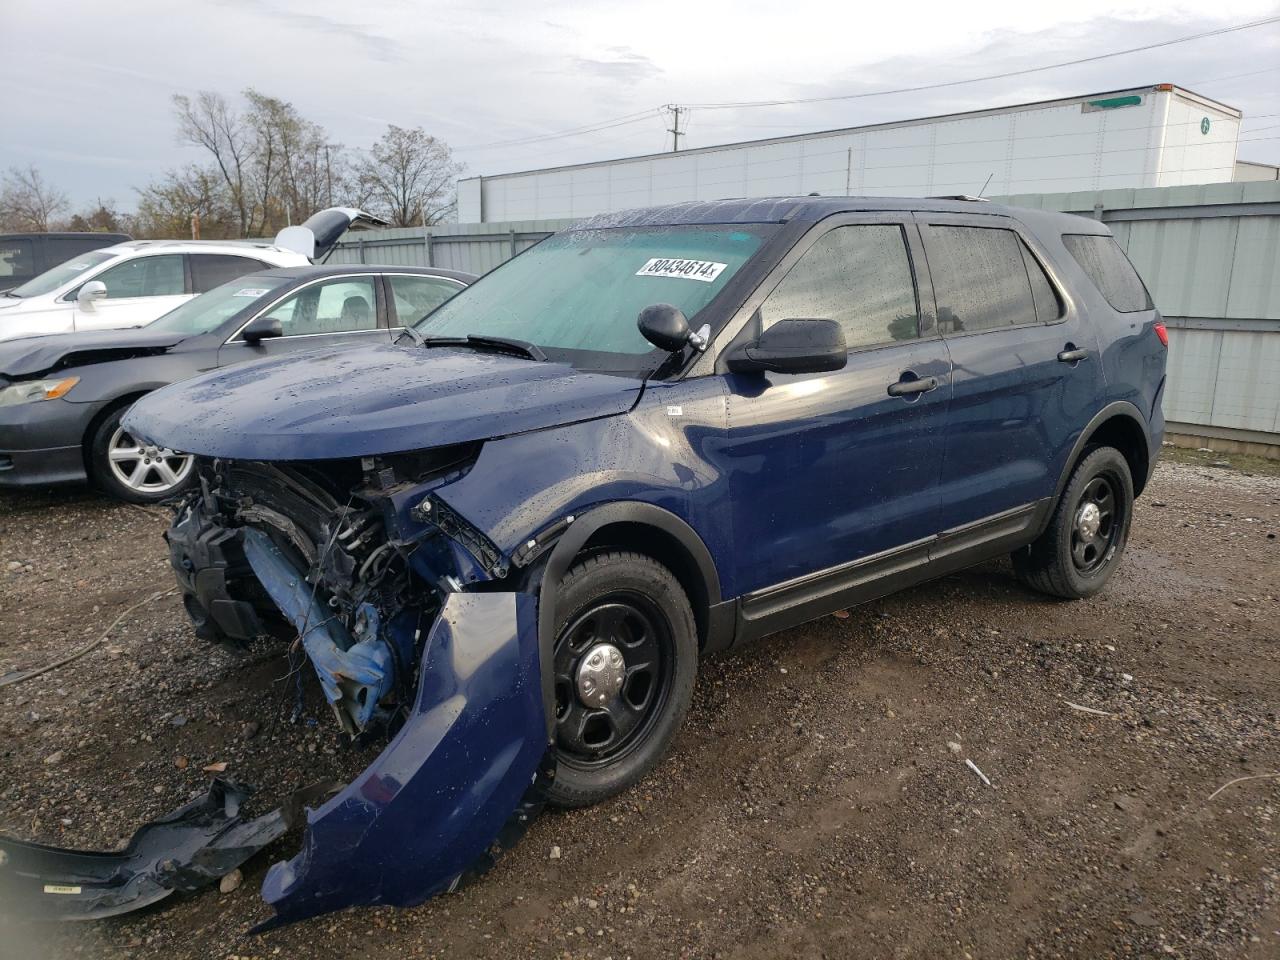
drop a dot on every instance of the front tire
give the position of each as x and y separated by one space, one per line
1079 550
626 655
127 469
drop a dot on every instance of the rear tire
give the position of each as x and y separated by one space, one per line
1079 550
132 471
626 656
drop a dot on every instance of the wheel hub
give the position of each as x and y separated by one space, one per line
1088 521
600 675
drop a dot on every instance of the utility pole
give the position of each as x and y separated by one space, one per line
674 129
328 176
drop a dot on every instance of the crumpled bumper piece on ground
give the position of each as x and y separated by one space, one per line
445 790
355 676
184 850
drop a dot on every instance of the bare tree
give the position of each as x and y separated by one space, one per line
408 177
210 122
166 206
27 202
276 166
103 218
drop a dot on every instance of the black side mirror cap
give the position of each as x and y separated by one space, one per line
665 326
792 346
262 328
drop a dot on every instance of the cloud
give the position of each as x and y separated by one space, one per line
377 46
623 67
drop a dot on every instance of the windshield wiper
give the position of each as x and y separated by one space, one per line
476 341
509 344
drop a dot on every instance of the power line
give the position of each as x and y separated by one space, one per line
643 115
993 76
572 132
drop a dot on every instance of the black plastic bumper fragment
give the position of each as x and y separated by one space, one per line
184 850
203 554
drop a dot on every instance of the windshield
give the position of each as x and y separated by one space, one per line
577 294
208 311
63 273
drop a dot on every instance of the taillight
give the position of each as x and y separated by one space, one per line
1162 332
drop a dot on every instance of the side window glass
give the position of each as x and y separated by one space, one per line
1110 270
145 277
209 270
859 276
339 306
1048 306
415 297
979 278
17 260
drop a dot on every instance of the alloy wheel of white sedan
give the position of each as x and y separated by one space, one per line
146 468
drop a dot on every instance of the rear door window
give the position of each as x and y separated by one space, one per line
979 278
1048 306
1110 270
859 276
209 270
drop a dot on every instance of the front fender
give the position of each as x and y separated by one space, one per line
436 799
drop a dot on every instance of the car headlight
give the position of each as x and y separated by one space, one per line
29 391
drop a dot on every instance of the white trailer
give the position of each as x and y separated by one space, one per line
1155 136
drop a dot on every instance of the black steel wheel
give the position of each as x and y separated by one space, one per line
1095 525
625 658
1079 549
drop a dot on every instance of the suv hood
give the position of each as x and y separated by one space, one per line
28 356
383 399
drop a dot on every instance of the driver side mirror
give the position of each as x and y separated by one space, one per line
792 346
666 326
262 328
91 293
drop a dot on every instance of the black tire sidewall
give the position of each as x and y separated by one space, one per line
597 577
1103 460
100 468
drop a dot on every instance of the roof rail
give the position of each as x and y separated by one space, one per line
959 196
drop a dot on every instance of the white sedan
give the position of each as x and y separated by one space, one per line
131 284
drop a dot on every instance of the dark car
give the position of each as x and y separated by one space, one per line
27 255
505 543
62 396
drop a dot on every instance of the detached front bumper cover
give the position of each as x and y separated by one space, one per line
182 851
459 782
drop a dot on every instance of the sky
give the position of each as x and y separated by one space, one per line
89 83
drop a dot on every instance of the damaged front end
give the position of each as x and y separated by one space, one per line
416 632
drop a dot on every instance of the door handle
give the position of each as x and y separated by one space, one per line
1073 355
905 388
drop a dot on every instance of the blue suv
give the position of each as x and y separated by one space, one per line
505 539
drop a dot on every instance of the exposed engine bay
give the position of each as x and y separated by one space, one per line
421 636
312 553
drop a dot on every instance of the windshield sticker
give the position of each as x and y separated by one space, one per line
704 270
251 292
80 266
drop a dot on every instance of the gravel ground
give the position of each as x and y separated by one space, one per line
816 804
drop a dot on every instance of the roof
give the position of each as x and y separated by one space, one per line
199 244
813 209
840 131
348 269
107 238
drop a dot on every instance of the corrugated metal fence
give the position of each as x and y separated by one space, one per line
1210 254
473 247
